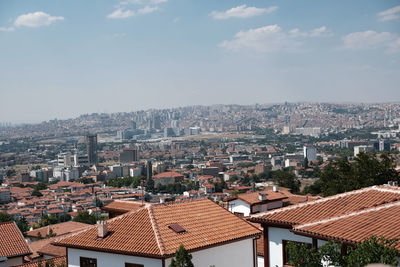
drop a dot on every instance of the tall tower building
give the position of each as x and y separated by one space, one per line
91 148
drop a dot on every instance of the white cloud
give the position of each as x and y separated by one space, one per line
141 2
271 39
242 12
265 39
149 6
7 29
36 19
389 14
118 35
320 32
121 14
147 10
367 40
176 20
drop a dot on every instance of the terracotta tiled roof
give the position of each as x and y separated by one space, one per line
12 242
146 231
44 246
329 207
123 205
252 198
167 174
382 221
57 261
58 229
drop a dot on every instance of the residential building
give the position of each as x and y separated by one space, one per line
13 247
5 195
129 155
347 218
359 149
166 178
151 235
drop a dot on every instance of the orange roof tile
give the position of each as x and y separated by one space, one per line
379 221
167 174
328 207
58 229
12 242
57 261
146 231
123 205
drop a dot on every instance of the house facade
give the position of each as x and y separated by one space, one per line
347 218
151 235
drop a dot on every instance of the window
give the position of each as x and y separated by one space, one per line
133 265
286 255
88 262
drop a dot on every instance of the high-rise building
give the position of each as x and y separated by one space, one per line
133 125
310 153
91 148
156 122
149 171
129 155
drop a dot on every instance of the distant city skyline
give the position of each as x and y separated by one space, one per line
67 58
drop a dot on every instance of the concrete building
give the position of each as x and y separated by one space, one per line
359 149
310 152
5 195
129 155
91 148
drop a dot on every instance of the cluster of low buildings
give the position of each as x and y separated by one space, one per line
250 229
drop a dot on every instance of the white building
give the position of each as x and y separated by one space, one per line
336 218
251 203
310 153
151 235
359 149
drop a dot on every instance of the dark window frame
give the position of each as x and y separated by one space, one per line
128 264
285 261
82 262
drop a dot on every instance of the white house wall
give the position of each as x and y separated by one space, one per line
275 236
108 259
237 254
238 205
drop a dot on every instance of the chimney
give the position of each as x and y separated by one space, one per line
102 229
275 188
262 196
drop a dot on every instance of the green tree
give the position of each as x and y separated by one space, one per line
182 258
366 170
36 193
47 220
371 250
85 217
286 179
64 217
5 217
99 203
22 224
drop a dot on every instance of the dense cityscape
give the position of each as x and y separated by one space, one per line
184 133
102 165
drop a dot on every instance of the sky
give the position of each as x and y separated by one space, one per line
63 58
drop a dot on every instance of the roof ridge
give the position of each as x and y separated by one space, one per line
384 206
156 231
179 201
358 191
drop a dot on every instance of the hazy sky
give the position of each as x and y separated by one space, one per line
62 58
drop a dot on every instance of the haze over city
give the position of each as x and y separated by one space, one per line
61 59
